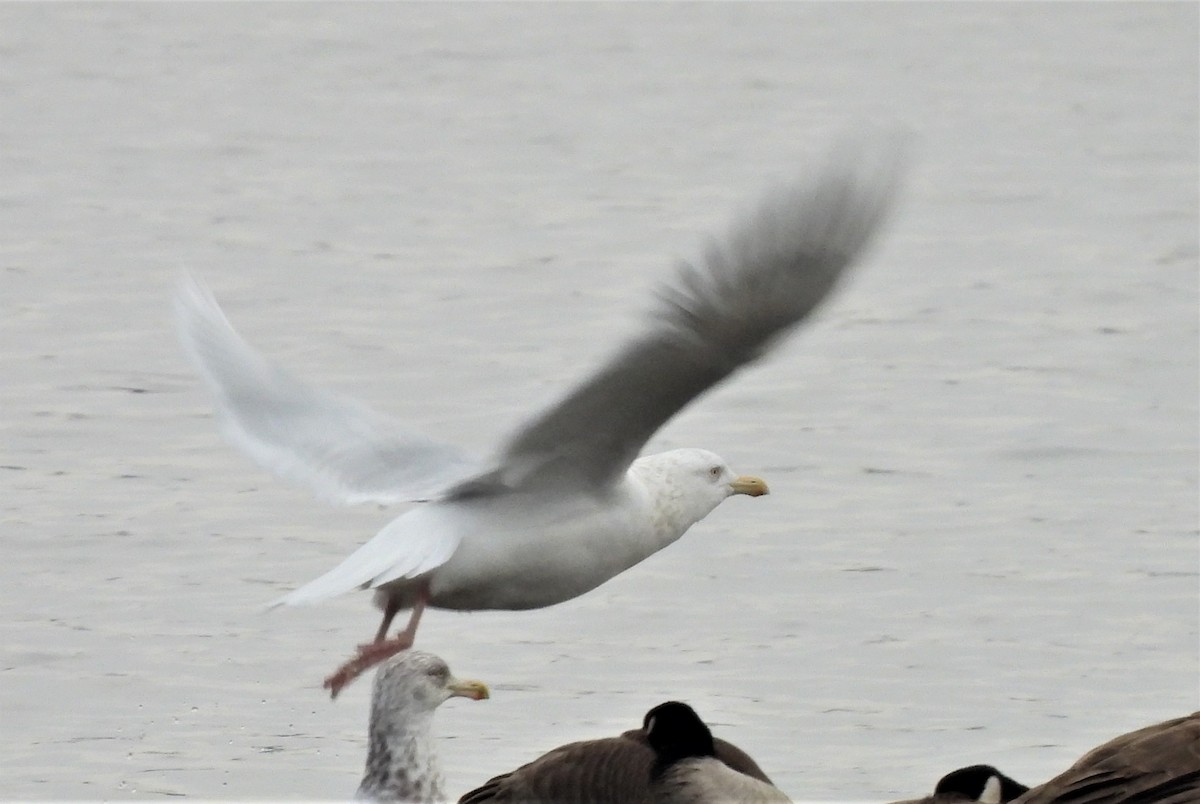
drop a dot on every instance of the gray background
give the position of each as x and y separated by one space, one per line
981 544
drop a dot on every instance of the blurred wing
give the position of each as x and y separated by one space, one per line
410 546
750 289
330 443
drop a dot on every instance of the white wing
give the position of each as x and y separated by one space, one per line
340 448
410 546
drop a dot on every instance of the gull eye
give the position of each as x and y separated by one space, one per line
715 472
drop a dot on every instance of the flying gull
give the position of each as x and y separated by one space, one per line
565 503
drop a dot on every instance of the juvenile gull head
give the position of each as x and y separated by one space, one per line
401 758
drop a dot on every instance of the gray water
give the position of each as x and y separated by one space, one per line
982 539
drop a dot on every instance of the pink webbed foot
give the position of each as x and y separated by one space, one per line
381 649
368 656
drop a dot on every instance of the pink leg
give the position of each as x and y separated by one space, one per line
389 613
375 652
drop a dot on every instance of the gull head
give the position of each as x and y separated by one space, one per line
705 472
420 681
401 755
687 484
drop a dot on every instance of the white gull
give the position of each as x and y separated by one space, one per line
565 503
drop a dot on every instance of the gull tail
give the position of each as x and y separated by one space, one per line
408 547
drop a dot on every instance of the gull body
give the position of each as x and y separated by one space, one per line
498 555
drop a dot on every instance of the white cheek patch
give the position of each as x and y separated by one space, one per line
991 791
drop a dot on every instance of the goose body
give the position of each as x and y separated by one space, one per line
686 767
602 771
1158 764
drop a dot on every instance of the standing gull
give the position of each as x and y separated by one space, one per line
401 761
565 503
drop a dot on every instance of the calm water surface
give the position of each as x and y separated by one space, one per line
982 541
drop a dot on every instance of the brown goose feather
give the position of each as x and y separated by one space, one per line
611 769
1159 764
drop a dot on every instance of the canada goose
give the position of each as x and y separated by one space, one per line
979 783
401 760
1159 764
686 769
565 503
611 770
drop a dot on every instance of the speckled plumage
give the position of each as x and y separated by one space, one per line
402 760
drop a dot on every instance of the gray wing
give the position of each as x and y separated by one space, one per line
331 443
593 772
717 316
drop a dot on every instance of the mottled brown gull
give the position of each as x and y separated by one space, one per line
566 503
604 771
401 758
